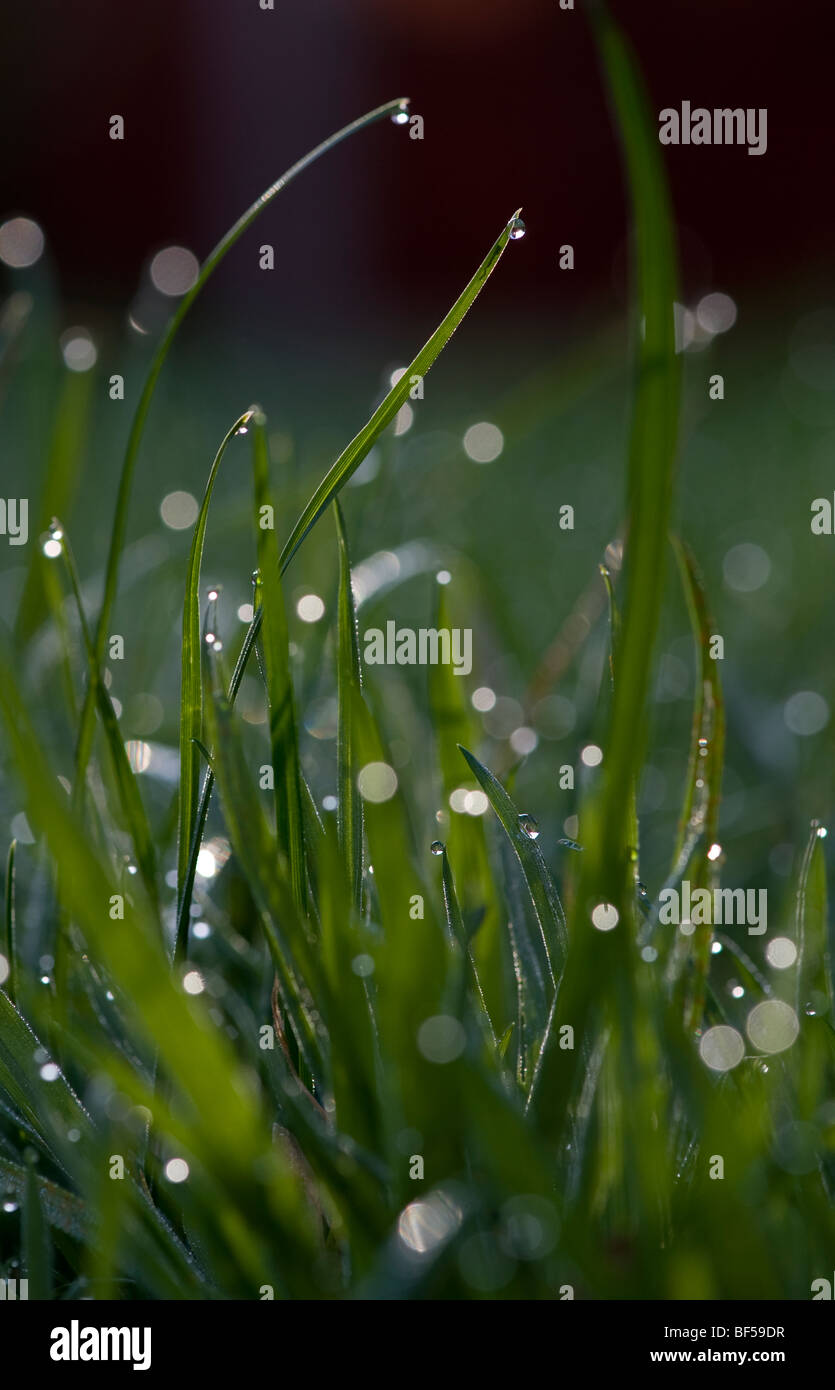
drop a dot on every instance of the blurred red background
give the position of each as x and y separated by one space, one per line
220 97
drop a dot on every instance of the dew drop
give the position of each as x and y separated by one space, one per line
10 1205
529 825
401 115
52 543
437 847
516 227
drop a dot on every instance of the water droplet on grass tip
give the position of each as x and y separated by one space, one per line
437 847
401 115
529 826
52 544
516 227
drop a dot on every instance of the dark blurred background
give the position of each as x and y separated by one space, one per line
219 97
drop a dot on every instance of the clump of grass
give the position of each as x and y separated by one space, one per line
393 1073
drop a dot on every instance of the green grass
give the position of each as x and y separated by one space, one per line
362 1002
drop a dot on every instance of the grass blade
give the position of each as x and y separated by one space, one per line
268 874
813 974
9 943
191 688
351 457
600 968
540 884
284 745
37 1247
349 688
62 1209
349 460
466 837
213 260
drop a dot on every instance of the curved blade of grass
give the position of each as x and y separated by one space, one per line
213 260
9 943
348 461
284 746
541 886
351 457
191 688
349 685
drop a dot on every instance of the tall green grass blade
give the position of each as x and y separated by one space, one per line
466 838
600 968
9 943
349 689
703 787
700 808
651 459
347 1003
213 260
191 687
284 746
